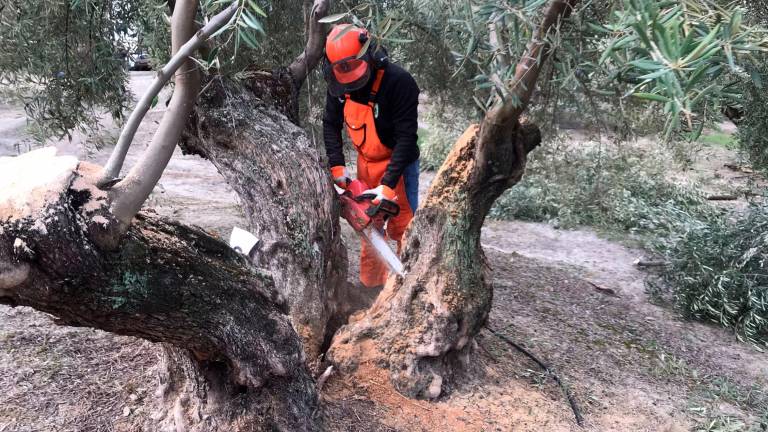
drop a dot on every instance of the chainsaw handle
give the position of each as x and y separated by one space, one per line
385 207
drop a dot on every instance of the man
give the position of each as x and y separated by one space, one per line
376 102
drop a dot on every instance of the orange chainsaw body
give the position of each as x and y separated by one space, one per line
360 212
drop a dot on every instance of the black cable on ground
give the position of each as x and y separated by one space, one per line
566 391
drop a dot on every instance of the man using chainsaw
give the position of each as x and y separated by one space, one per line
376 102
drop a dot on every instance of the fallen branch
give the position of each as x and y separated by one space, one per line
546 368
739 168
722 198
641 263
602 290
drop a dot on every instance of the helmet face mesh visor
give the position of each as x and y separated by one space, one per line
349 70
347 75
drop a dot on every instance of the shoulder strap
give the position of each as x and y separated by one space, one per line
376 86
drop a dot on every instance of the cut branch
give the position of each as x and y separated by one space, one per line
222 319
313 52
117 158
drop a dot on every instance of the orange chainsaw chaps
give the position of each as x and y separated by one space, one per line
373 271
372 161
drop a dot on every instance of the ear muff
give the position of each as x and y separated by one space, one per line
379 57
327 70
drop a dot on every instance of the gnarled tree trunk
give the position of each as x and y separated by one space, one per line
234 359
422 325
245 130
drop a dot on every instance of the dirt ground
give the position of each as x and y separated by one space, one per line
571 298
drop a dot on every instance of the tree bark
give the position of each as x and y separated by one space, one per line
234 362
281 178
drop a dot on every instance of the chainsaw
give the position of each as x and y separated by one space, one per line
368 219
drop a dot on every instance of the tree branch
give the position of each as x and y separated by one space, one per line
313 52
499 126
221 317
130 193
500 54
117 158
526 71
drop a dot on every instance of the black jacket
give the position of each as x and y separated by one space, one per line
397 122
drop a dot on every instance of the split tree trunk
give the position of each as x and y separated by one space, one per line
234 360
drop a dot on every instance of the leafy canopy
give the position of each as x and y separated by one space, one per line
689 57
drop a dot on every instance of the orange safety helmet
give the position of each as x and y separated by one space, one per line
346 68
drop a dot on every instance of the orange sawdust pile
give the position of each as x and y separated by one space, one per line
372 383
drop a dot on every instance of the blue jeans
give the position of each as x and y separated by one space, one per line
411 180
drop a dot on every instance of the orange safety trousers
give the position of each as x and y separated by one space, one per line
372 160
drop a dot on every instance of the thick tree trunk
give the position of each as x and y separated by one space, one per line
245 129
234 360
422 325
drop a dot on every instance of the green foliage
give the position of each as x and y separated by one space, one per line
66 60
680 54
604 188
687 57
753 127
62 58
242 36
719 273
720 139
718 268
